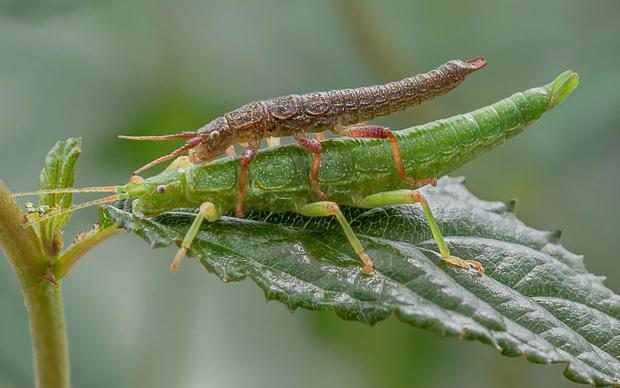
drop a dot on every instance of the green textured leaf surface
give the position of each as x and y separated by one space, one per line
536 299
58 173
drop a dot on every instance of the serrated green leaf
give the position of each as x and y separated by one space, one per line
58 173
537 300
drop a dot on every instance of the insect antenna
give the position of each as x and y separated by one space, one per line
189 145
181 135
70 209
98 189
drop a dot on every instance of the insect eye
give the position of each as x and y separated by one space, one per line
214 134
161 189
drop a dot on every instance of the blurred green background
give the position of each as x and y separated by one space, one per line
97 69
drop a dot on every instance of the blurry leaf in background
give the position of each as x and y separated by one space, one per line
538 301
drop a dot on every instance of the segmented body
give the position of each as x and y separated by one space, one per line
320 111
351 169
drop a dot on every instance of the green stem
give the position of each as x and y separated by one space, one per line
43 300
49 335
78 249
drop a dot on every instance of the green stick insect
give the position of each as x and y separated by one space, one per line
354 172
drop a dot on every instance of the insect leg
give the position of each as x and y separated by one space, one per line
246 158
380 132
399 197
208 211
324 208
314 146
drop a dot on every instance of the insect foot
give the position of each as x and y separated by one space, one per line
467 264
367 268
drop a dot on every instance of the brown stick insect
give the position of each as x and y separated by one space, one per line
343 112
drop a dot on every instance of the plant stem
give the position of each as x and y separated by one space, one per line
43 300
81 247
49 335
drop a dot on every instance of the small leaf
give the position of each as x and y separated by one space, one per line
537 300
58 173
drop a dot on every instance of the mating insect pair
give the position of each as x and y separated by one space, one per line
340 111
352 172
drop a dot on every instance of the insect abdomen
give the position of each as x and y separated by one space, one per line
366 103
434 149
323 110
